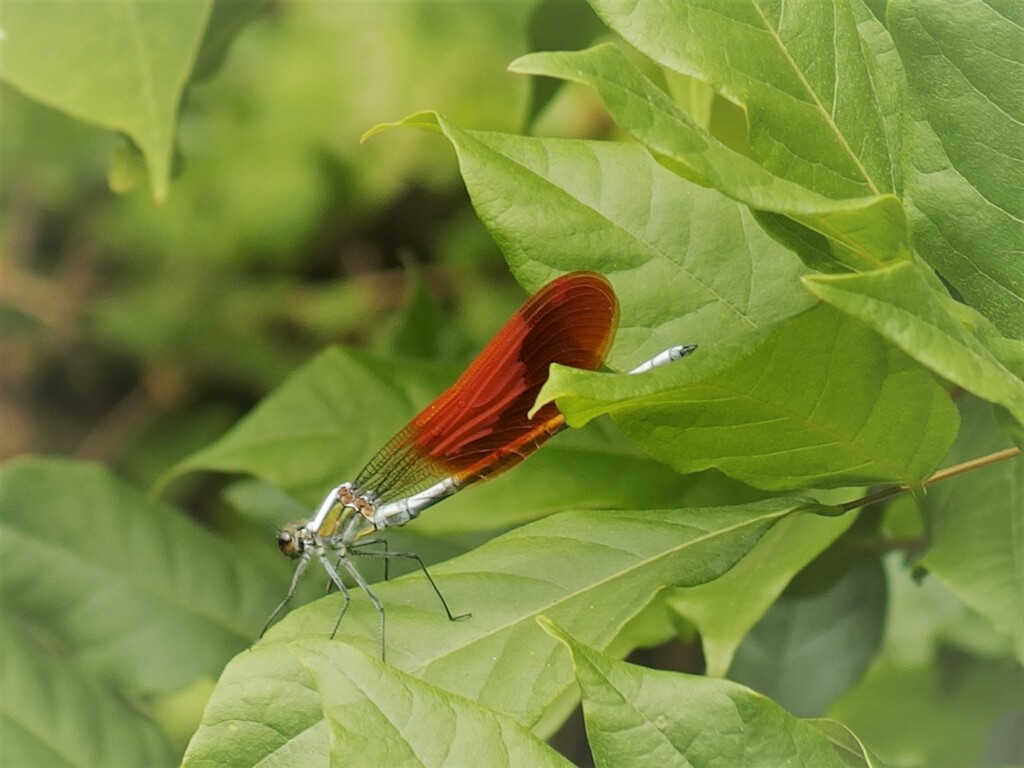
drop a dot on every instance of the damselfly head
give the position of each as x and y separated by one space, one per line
291 541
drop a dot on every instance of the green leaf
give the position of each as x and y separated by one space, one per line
498 657
314 432
124 588
823 401
977 523
639 716
123 66
810 649
909 309
111 601
725 609
871 228
372 715
687 264
965 65
55 714
817 100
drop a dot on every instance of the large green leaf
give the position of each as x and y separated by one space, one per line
316 431
868 224
126 589
688 265
910 309
818 103
110 602
638 716
965 65
978 527
823 401
53 714
121 65
725 609
498 656
372 715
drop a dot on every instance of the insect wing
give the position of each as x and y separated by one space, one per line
479 427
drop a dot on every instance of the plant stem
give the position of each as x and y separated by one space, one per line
942 474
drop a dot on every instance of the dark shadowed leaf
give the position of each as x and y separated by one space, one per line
810 649
977 523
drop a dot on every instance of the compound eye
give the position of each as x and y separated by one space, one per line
288 543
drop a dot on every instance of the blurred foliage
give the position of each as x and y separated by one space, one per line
140 330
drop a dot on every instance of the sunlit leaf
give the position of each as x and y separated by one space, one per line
965 64
870 228
817 100
902 304
688 265
372 715
823 401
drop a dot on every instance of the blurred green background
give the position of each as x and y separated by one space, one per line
134 332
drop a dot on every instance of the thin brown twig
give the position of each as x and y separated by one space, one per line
942 474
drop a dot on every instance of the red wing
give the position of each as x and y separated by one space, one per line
478 427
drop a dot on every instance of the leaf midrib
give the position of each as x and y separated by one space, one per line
633 567
812 94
